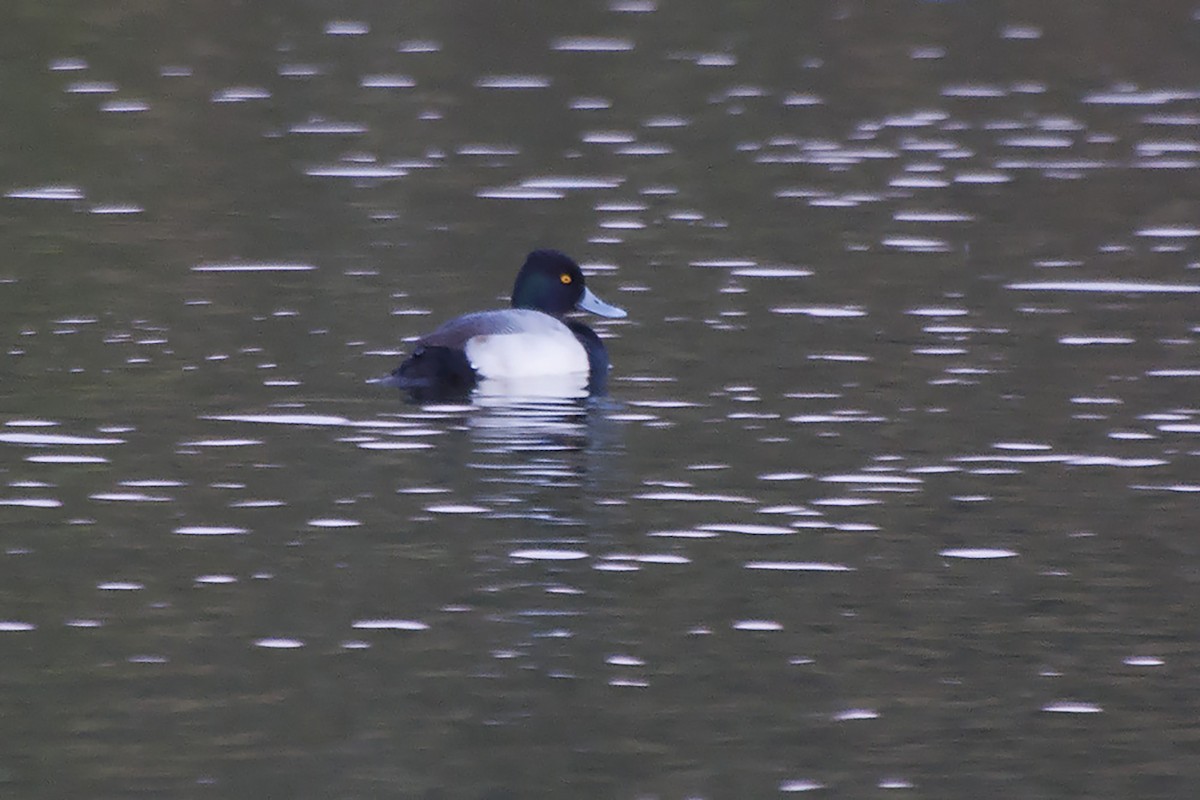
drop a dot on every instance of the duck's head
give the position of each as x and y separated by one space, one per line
551 282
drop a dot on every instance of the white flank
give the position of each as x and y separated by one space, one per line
550 349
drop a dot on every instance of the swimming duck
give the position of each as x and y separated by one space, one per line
531 340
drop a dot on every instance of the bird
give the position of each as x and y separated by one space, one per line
522 345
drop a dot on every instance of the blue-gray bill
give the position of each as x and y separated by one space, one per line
589 302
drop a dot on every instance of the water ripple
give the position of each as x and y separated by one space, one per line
275 643
389 625
977 553
798 566
1111 286
591 44
56 439
211 530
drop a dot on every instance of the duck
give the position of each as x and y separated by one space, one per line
528 344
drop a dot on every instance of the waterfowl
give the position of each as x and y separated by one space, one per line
530 341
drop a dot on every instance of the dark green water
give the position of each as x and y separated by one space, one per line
894 492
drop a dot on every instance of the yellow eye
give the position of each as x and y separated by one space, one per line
565 278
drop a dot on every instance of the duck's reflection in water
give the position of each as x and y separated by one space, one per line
492 392
552 473
542 441
525 436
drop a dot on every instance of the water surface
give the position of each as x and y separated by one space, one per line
894 490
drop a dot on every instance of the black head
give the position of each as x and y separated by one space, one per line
549 281
552 282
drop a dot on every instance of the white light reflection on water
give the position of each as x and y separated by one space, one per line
1143 661
241 94
1071 707
573 182
222 443
518 193
251 266
131 497
51 192
685 534
30 502
387 81
389 625
1182 488
328 128
933 216
394 445
47 439
749 529
1173 373
801 785
279 643
616 566
633 6
314 420
215 580
839 417
822 311
852 714
1109 286
211 530
896 783
628 683
546 554
124 106
591 44
91 87
694 497
1170 232
1128 95
982 177
624 661
917 244
646 558
148 659
977 553
67 65
1079 460
117 209
760 625
355 171
383 427
1082 341
771 272
347 27
513 82
300 70
843 358
456 508
14 626
797 566
873 479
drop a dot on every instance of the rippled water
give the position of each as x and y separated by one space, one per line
894 489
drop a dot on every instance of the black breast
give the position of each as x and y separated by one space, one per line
597 355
